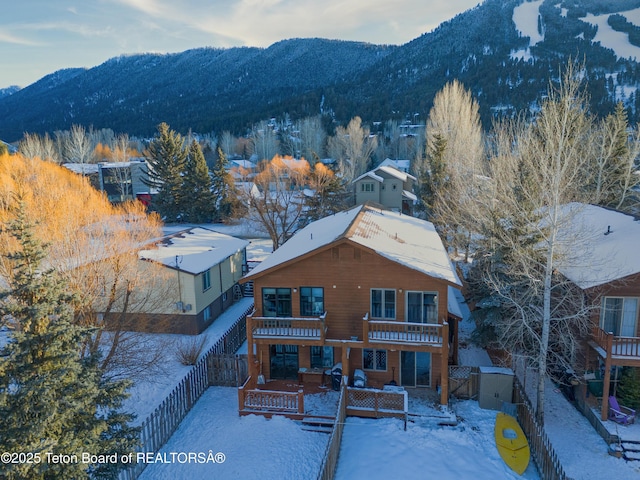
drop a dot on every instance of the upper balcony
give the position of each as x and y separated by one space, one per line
622 351
405 333
281 329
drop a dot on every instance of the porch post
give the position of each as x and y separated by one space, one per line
365 329
251 361
444 373
345 358
607 378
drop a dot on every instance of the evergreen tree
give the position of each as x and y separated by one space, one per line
223 188
167 157
52 401
199 200
433 178
629 388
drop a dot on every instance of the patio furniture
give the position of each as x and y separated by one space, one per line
620 414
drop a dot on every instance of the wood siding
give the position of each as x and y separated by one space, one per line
348 273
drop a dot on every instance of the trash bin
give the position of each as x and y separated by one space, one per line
336 376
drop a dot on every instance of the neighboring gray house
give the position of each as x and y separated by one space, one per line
203 269
123 181
387 186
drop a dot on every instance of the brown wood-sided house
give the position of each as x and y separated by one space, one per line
368 288
608 271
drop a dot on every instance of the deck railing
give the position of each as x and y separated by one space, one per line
615 345
403 332
289 327
251 398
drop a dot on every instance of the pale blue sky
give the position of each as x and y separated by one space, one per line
38 37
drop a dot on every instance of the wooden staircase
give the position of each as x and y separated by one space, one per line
630 450
318 423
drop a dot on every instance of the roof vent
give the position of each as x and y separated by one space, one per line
608 230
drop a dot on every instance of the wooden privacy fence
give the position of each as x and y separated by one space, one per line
463 381
544 455
158 427
330 460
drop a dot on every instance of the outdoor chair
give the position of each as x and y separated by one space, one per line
620 414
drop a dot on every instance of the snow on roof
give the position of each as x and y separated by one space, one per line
598 257
409 195
402 165
394 172
370 174
406 240
196 249
453 307
243 163
81 168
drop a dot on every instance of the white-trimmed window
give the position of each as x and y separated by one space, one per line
206 313
311 301
206 280
619 315
422 307
383 303
373 359
367 187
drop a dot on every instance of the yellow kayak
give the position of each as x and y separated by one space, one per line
511 443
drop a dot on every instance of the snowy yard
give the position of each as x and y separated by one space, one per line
259 448
254 447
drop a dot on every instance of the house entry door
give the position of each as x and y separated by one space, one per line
415 369
284 362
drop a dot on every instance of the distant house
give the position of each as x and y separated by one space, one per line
242 170
387 186
123 181
203 271
608 271
402 165
368 289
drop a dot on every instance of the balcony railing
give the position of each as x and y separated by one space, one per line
313 328
403 332
616 346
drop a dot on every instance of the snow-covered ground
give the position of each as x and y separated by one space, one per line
525 17
254 447
616 41
148 393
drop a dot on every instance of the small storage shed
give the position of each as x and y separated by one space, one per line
496 387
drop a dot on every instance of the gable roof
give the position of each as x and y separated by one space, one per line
197 249
408 241
389 170
603 245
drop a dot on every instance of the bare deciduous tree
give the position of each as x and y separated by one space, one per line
352 147
536 172
278 202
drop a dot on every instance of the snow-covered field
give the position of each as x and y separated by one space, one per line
617 41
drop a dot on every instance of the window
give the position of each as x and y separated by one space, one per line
311 301
206 313
619 315
367 187
374 359
422 307
206 280
383 303
321 357
276 302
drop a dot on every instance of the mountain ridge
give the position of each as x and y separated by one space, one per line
210 89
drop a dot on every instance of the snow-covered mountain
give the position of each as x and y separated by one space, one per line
505 51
